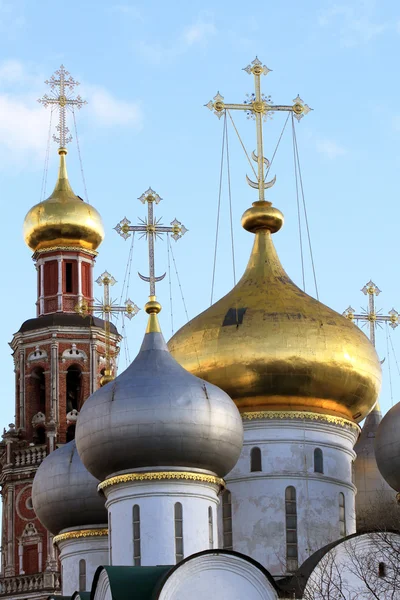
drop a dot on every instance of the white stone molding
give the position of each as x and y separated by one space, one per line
37 354
18 501
74 353
72 416
29 537
38 419
218 575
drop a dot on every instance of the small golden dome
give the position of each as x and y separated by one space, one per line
270 346
63 220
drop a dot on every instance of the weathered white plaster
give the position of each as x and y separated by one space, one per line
258 499
156 500
222 576
92 549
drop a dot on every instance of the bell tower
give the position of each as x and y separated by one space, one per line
59 360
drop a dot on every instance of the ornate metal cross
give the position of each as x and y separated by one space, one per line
62 98
371 315
106 308
151 228
258 107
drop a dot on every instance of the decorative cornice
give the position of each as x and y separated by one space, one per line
37 253
81 533
161 476
311 416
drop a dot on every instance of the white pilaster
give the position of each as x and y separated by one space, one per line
41 290
157 529
78 545
22 388
79 278
59 292
54 379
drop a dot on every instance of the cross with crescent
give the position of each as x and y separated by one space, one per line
151 228
258 107
106 308
371 315
62 86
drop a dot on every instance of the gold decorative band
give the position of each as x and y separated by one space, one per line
81 533
66 249
161 476
280 414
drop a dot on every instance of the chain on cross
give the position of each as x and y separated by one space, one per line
371 315
62 87
151 228
258 107
106 308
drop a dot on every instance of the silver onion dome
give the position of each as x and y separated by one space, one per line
156 414
64 493
387 447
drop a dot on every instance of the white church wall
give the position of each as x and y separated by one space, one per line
80 557
156 542
258 498
222 576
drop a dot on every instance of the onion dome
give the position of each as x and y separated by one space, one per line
387 447
64 493
63 220
156 414
271 346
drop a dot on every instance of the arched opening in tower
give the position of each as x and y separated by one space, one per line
39 391
73 389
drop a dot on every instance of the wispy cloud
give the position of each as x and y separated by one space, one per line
198 33
330 149
24 124
356 22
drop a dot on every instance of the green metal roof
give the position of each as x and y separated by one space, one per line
140 582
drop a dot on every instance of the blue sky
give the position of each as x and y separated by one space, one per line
147 69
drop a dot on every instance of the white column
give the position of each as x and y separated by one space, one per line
10 569
76 546
156 500
21 559
79 278
22 388
40 555
41 291
54 379
59 293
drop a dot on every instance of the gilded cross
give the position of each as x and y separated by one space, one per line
106 308
258 107
151 228
62 86
371 315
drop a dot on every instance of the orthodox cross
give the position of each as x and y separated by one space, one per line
258 107
62 86
371 315
106 308
151 228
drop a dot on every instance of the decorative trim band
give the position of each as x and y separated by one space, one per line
37 253
280 414
161 476
81 533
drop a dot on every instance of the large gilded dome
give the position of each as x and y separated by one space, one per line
63 220
271 347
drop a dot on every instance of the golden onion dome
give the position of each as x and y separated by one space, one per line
272 347
63 220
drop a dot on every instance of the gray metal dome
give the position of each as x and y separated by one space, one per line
65 494
387 447
156 414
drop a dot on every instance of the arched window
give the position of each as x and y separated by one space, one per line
291 529
318 461
210 528
255 460
136 535
70 433
342 515
39 391
178 532
73 399
82 575
227 520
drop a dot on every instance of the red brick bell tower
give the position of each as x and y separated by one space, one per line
59 359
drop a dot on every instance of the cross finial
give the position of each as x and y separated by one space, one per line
151 228
258 107
106 308
62 87
371 315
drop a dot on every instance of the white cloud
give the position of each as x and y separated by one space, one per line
330 148
24 124
199 33
355 21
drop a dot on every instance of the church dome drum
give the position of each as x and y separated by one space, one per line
271 346
64 493
156 414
